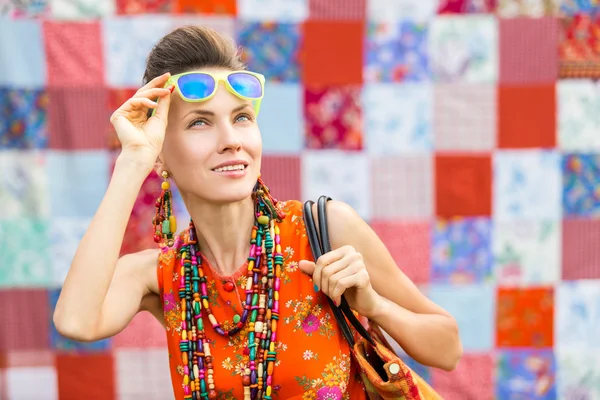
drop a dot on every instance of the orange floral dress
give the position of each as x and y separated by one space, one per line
313 359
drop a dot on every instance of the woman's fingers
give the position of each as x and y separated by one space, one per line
153 93
157 82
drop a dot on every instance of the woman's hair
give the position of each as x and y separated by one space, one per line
192 47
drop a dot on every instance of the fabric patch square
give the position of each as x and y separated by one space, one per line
24 9
527 184
219 7
578 122
75 381
527 252
402 187
273 10
463 185
23 116
464 49
19 383
397 52
461 251
281 119
525 317
473 378
395 10
143 332
125 60
281 173
81 9
77 118
64 237
143 374
523 116
473 308
88 172
527 8
528 50
144 6
577 315
465 117
26 316
116 98
333 118
408 243
578 375
223 24
337 10
579 56
321 174
581 177
60 343
23 185
325 44
272 49
580 252
466 6
526 374
74 53
28 358
23 38
388 131
24 253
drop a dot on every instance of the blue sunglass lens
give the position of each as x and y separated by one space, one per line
196 86
246 85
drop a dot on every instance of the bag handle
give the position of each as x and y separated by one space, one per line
343 313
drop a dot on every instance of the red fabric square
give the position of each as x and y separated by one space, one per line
466 6
74 54
525 317
26 318
579 48
473 378
526 116
142 332
409 244
463 185
116 98
580 249
78 118
337 9
332 53
223 7
281 174
144 6
528 50
85 376
333 118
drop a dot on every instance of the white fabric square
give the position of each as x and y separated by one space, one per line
577 315
143 374
81 9
273 10
578 117
395 10
31 383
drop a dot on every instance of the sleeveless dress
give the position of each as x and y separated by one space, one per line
313 359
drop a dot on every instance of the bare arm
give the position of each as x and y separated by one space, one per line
98 299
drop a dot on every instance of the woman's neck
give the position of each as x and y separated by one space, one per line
223 232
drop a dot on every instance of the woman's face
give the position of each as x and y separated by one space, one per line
213 148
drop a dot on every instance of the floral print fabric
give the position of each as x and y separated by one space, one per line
313 359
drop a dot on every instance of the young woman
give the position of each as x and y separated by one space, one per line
241 299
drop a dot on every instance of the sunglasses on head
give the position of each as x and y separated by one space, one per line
201 86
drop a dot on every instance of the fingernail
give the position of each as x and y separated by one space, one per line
316 287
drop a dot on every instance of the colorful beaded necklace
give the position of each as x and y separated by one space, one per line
261 307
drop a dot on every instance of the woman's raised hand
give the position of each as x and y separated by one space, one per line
137 133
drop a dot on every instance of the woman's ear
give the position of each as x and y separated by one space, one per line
159 166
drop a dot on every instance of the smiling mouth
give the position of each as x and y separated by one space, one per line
239 167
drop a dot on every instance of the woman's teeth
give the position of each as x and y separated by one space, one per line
230 168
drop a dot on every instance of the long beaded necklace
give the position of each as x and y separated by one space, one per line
261 308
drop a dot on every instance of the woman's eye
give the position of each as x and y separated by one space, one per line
197 122
243 118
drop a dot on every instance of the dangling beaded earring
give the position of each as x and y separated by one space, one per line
164 221
263 194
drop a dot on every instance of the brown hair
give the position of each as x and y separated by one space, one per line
192 47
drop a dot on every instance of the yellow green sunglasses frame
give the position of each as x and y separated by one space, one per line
220 76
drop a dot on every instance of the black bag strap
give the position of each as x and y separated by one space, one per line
343 313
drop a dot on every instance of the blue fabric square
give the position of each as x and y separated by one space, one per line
22 55
473 307
581 179
62 344
527 184
78 181
526 374
271 49
461 251
23 119
280 119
